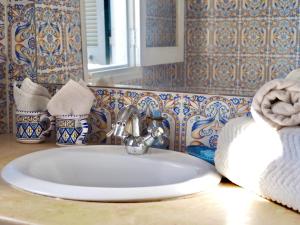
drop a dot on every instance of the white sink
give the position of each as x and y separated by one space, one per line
108 173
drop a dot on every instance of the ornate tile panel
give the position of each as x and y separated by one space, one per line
225 72
21 40
205 115
160 23
226 8
254 36
284 36
197 36
225 37
258 8
51 49
260 38
285 8
58 41
281 66
253 73
197 9
198 70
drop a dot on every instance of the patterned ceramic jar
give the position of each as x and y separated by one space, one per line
71 130
33 127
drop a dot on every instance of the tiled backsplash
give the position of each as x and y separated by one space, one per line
231 47
191 119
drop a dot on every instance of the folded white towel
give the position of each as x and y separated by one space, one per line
261 159
29 102
277 103
72 99
34 89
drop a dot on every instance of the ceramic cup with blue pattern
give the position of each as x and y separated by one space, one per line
71 130
33 127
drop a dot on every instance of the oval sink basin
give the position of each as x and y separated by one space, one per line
108 173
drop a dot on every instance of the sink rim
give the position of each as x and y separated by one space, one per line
20 180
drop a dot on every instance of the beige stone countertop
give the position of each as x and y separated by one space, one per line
226 204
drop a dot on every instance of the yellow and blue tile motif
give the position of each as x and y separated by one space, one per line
256 41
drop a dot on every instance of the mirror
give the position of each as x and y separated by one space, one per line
133 43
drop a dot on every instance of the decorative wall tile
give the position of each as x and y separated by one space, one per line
224 72
252 73
285 8
198 72
226 8
59 41
197 36
160 23
21 40
283 37
197 9
205 115
260 38
258 8
254 36
51 50
225 37
281 66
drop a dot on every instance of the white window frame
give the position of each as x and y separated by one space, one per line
138 54
162 55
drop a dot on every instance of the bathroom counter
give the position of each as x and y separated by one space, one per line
226 204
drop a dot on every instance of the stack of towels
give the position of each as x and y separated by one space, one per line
262 153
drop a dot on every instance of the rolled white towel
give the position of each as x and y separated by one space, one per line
72 99
277 103
261 159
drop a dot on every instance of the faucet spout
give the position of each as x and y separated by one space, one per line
134 143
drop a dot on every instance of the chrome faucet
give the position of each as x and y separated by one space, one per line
135 143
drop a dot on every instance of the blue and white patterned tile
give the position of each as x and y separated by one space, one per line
258 8
21 40
73 41
280 67
284 35
285 8
254 36
160 23
225 72
226 8
198 72
197 36
197 9
205 115
160 32
225 37
253 73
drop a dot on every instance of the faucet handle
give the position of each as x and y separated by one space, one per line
157 132
112 130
